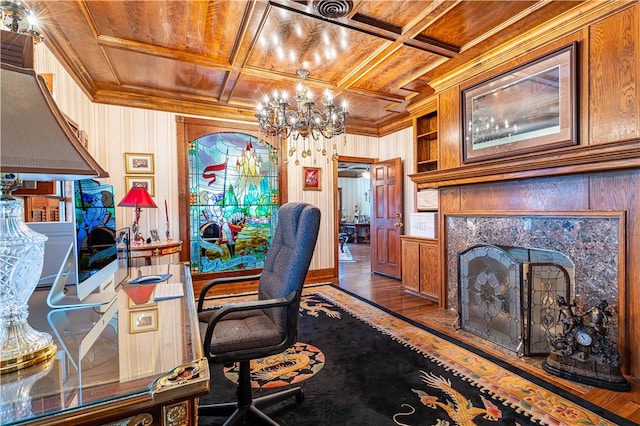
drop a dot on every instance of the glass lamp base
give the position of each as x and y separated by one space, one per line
15 392
24 347
21 261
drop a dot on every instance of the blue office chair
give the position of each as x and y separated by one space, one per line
241 332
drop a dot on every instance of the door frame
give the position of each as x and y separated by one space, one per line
336 225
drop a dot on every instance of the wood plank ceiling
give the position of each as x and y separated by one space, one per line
218 58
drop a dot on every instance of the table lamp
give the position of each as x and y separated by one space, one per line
137 197
139 294
37 145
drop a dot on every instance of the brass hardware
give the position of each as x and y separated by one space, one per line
177 414
399 223
192 372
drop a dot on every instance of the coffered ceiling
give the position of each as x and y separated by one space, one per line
218 58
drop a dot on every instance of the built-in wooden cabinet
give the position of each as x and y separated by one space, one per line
420 256
420 267
42 209
426 142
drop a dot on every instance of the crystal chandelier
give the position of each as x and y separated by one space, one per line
276 118
18 19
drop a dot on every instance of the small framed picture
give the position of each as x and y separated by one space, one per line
311 176
141 321
138 163
154 235
146 182
138 306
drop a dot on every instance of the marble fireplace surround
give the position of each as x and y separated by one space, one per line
593 241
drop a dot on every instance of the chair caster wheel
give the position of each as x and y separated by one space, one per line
300 397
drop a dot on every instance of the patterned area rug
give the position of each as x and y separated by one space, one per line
300 362
381 368
345 256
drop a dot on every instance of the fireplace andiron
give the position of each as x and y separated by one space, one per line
582 352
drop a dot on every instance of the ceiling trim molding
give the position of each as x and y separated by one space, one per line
571 21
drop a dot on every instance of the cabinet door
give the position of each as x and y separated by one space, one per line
429 272
411 265
41 209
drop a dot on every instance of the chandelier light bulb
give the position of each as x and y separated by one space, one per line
277 118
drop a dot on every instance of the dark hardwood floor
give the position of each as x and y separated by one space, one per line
357 278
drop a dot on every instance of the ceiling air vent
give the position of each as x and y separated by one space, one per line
333 8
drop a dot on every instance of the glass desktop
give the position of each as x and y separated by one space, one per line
121 355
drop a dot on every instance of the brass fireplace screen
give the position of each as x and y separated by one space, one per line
508 295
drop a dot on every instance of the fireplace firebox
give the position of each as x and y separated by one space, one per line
508 295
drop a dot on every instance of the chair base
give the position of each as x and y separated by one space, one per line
248 408
251 414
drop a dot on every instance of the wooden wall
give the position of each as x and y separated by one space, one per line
601 173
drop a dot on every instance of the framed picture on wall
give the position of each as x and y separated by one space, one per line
526 109
146 182
138 163
141 321
311 178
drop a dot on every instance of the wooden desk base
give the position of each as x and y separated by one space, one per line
158 249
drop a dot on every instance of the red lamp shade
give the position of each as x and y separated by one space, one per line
139 294
137 197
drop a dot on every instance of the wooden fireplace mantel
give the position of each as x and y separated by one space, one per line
572 160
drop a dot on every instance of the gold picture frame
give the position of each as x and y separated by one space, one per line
133 306
139 163
312 179
143 321
146 182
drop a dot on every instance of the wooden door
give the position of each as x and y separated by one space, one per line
387 217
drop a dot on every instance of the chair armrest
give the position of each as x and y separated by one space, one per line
245 306
222 280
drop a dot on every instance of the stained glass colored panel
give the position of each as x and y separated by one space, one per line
233 190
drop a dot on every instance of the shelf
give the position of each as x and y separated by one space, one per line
432 134
426 142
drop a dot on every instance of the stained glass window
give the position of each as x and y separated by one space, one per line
233 190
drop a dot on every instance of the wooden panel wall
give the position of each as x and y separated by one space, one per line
614 88
450 130
563 193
